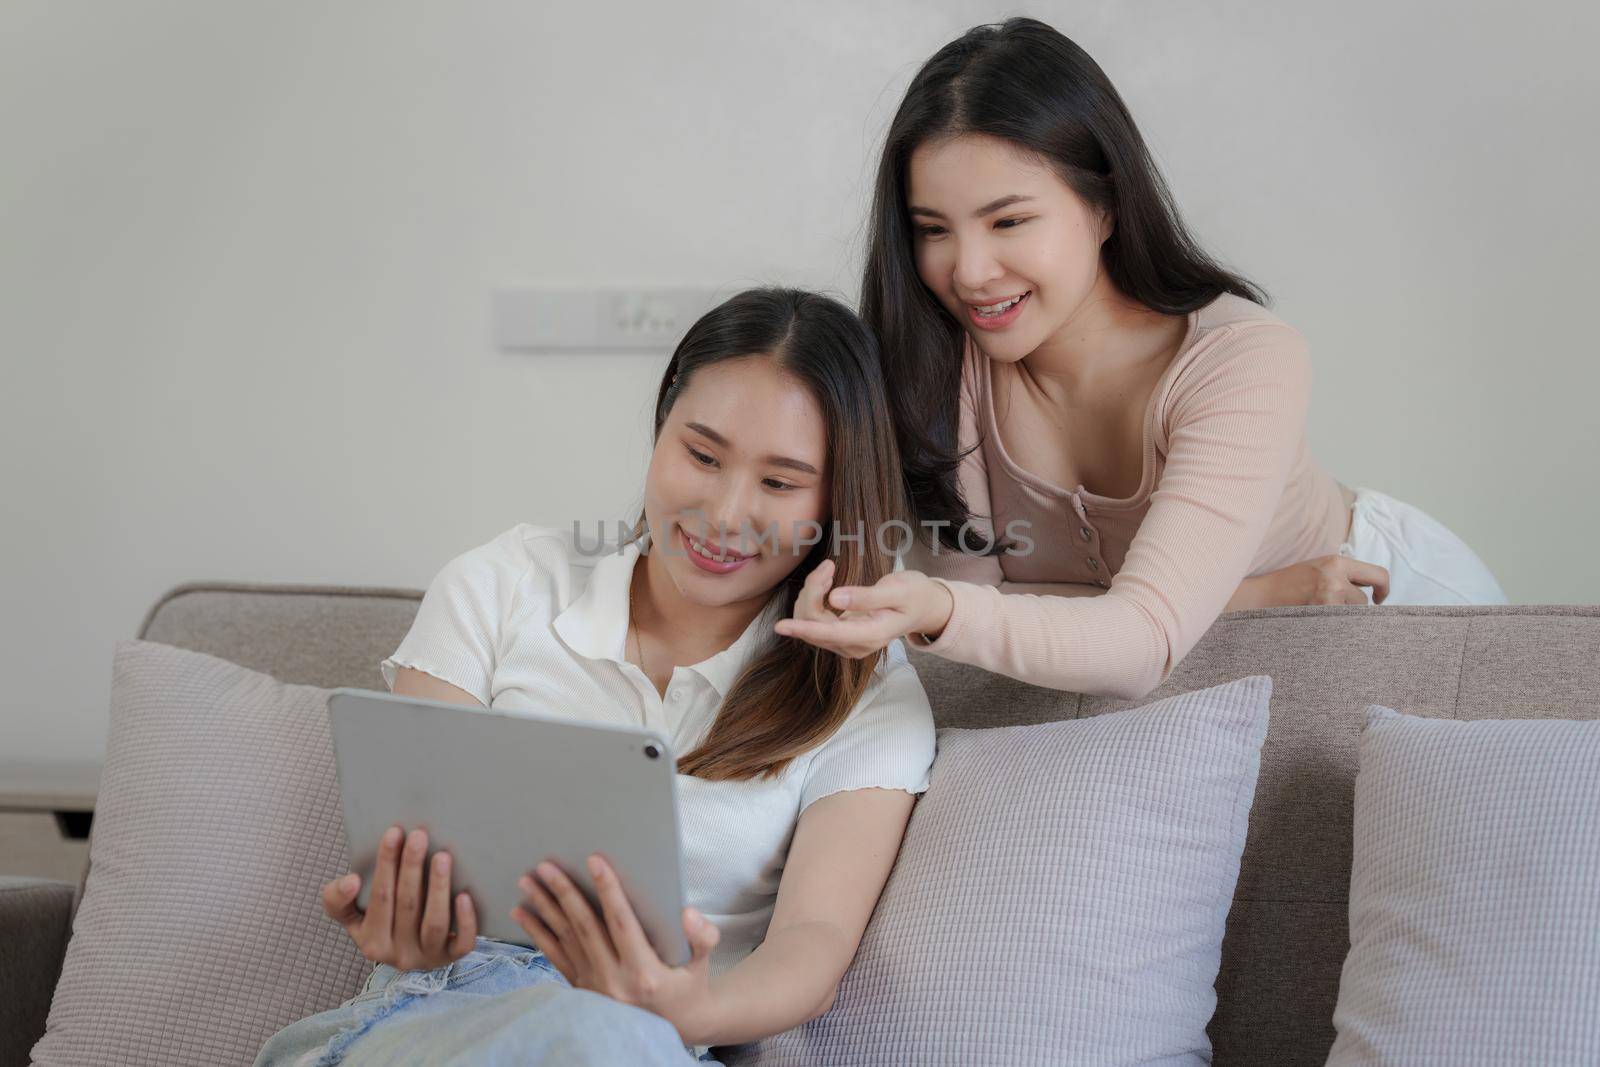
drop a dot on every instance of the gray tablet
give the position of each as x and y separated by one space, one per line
502 791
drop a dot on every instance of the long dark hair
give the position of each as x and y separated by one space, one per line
1023 82
793 695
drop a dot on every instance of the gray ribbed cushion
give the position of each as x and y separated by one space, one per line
1060 896
1474 895
201 932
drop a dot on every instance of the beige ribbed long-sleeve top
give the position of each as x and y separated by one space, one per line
1229 490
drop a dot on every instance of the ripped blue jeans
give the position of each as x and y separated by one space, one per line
499 1004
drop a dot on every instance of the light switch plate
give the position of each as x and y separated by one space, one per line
565 318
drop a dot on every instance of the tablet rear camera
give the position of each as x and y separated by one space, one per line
652 751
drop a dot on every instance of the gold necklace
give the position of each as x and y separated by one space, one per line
638 636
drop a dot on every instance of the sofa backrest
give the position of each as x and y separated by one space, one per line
303 634
1287 931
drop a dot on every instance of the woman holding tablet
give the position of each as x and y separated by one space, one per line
798 767
1067 364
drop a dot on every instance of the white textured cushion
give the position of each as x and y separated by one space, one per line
201 933
1060 896
1474 895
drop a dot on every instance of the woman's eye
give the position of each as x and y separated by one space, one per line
929 231
774 483
702 459
1011 224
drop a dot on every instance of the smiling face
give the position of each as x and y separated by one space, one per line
743 451
1003 242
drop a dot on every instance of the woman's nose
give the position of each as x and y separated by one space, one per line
729 513
976 267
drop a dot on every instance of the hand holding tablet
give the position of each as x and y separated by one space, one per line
401 926
499 794
610 954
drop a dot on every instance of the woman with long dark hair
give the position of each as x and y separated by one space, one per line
798 767
1086 401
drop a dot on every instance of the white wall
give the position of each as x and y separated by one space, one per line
246 251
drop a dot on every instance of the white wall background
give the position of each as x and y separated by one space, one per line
246 252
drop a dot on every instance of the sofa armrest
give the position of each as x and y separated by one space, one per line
35 921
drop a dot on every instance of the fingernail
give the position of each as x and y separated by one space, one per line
391 836
596 868
464 902
525 884
350 882
841 599
546 871
441 862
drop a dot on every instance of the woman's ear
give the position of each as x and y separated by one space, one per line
1108 225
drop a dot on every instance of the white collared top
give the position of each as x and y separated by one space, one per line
529 622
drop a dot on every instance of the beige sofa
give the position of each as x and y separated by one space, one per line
1287 934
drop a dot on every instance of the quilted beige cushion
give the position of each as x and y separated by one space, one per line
200 933
1474 895
1059 898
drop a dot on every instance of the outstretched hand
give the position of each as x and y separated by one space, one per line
869 617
